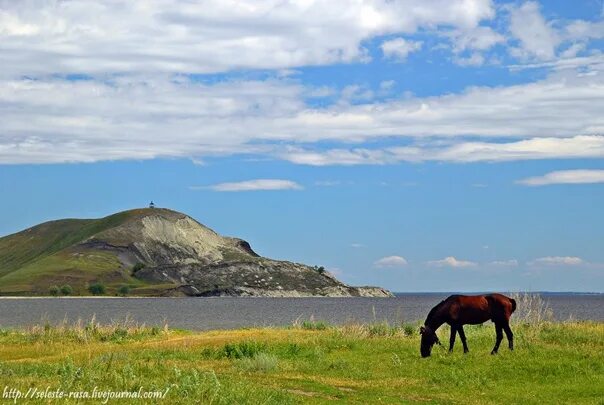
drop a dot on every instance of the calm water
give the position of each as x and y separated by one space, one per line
224 313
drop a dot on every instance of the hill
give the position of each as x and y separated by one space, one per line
153 252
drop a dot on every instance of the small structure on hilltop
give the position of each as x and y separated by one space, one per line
151 205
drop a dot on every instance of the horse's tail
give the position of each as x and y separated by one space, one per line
513 304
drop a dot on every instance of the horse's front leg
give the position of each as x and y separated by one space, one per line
499 338
462 335
452 338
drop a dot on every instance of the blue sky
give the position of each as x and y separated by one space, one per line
416 145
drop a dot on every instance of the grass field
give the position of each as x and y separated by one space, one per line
309 363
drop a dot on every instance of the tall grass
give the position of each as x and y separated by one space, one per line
531 309
261 362
352 363
92 330
531 316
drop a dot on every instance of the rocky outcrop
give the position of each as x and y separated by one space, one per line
259 278
173 248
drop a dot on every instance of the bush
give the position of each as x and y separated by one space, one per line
320 269
97 289
66 289
138 266
124 290
242 349
312 325
54 290
409 329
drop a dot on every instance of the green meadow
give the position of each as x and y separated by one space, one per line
309 362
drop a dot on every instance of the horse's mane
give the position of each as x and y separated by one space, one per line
433 310
439 306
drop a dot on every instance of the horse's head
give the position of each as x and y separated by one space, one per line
429 338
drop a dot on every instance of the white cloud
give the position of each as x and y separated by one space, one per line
478 38
96 36
557 261
537 39
357 245
451 261
257 185
593 63
530 149
565 177
469 45
572 50
142 117
341 157
581 30
391 261
400 48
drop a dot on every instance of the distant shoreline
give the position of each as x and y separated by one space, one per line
396 294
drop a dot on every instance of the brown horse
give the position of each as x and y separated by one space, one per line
459 310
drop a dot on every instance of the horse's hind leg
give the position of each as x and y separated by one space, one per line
499 338
452 338
462 335
509 335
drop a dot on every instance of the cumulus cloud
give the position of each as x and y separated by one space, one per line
400 48
565 177
478 38
134 100
581 30
96 36
537 39
451 261
257 185
391 261
557 261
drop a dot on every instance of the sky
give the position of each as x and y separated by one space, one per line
418 145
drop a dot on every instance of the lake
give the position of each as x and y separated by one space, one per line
227 313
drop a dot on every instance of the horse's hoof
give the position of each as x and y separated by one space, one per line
466 351
493 352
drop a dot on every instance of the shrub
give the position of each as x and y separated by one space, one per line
320 269
314 325
54 290
138 266
97 289
124 290
409 329
66 289
242 349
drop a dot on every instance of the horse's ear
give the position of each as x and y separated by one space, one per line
422 330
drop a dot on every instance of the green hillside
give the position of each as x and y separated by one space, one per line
152 252
45 255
